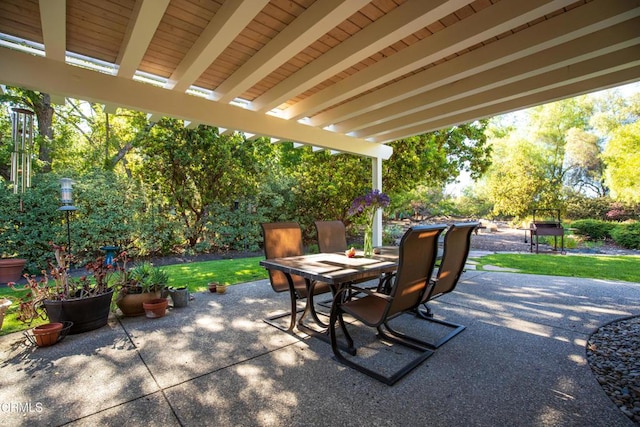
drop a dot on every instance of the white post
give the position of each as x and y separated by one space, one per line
376 183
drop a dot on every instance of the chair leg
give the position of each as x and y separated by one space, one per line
293 312
336 315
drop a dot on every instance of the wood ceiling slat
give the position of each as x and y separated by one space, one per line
366 16
21 18
97 28
340 33
178 31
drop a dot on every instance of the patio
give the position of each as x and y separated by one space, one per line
521 361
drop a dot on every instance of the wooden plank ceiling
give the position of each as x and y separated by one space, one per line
349 75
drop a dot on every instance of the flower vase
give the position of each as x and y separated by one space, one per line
368 241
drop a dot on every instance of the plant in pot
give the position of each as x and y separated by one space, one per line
85 301
138 285
11 269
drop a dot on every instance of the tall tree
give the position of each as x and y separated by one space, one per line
622 157
194 168
437 158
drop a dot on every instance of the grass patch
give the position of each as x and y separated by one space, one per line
195 276
623 268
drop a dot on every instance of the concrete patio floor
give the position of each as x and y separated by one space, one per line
520 362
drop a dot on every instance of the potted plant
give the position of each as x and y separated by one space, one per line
47 334
11 269
155 308
138 285
85 301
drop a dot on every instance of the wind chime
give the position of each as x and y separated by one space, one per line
22 134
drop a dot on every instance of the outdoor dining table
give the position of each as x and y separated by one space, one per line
335 269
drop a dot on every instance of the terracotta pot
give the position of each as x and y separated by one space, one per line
86 314
156 307
4 305
221 289
47 334
11 269
131 304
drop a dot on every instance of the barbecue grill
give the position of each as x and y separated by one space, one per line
546 222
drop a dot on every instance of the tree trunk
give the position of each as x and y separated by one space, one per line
44 113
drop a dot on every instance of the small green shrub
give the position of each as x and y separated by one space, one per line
593 229
627 235
579 206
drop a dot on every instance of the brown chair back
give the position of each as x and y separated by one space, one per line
283 239
457 242
417 256
332 236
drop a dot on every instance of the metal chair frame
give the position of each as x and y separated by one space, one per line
284 239
418 250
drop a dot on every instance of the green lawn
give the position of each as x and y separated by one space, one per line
195 276
626 268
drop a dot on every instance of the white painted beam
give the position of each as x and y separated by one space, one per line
313 23
479 27
228 22
53 18
142 26
397 24
38 73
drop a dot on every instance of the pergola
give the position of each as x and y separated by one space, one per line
342 75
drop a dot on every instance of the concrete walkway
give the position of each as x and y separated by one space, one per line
520 362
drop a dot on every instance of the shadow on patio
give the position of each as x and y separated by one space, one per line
521 361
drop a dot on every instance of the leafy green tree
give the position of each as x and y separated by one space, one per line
437 158
622 157
516 179
584 169
193 168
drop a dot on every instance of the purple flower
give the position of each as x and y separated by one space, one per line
369 202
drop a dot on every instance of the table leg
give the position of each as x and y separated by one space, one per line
323 334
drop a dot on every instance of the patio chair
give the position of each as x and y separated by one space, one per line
284 239
457 242
417 254
332 236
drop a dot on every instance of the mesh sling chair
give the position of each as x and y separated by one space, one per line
332 236
457 242
418 249
284 239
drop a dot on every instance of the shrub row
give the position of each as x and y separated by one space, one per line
625 234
